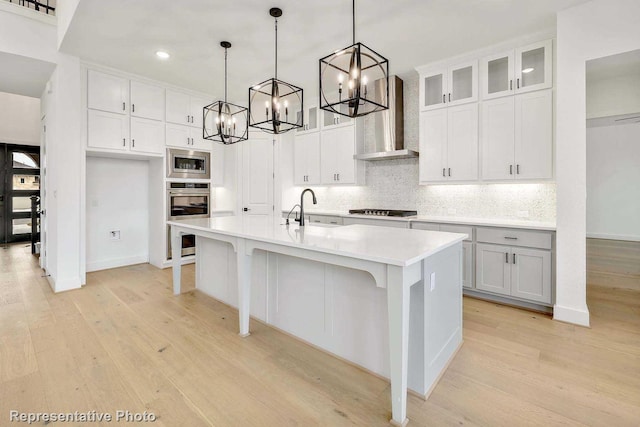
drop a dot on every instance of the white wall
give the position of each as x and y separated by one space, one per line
117 199
592 30
65 11
613 96
613 182
19 119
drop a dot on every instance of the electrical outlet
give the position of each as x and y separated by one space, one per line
433 281
451 211
523 214
114 234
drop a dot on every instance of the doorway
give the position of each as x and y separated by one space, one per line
19 180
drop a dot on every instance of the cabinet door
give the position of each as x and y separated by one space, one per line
497 78
147 136
178 108
534 67
433 88
107 92
217 164
198 142
497 148
345 146
531 274
493 268
462 145
196 106
311 121
147 101
107 130
433 144
328 166
300 145
178 136
331 120
462 83
467 264
534 135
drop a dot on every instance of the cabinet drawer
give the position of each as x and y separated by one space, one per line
513 237
425 226
324 219
378 222
463 229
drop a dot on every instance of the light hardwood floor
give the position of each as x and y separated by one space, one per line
125 342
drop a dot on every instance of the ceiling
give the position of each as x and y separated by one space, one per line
126 34
24 76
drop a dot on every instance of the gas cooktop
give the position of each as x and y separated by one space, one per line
382 212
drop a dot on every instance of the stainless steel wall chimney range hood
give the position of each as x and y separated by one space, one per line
389 126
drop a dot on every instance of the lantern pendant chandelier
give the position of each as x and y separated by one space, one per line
354 81
274 105
222 121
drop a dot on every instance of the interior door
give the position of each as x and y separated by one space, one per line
257 180
43 195
4 170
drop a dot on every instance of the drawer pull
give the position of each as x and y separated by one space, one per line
510 238
506 257
514 258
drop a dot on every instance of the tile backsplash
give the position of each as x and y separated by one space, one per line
393 184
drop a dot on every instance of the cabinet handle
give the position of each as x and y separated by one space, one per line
518 83
124 142
514 258
449 171
133 142
511 84
510 169
123 107
518 169
506 257
449 96
510 238
133 108
443 172
187 119
444 98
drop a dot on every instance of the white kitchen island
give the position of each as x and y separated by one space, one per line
417 274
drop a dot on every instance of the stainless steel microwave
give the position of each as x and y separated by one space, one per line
185 164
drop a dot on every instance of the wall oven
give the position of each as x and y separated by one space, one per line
187 164
186 200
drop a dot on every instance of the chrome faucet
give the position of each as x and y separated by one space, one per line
315 202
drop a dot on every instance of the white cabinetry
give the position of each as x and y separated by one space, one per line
517 137
311 120
114 124
521 269
378 222
449 144
337 148
217 164
186 137
330 119
448 86
306 165
107 92
147 101
521 70
184 109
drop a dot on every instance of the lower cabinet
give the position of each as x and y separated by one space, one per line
378 222
518 272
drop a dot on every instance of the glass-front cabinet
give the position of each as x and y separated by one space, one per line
449 86
311 118
522 70
331 120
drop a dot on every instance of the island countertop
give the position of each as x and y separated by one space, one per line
401 247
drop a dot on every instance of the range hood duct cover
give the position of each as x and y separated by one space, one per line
389 125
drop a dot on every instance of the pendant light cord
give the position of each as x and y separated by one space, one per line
225 75
353 16
276 48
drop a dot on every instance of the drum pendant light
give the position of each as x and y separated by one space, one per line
222 121
275 106
354 81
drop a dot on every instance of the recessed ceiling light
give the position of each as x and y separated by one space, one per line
162 54
527 70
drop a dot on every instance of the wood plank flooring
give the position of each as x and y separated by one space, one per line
124 342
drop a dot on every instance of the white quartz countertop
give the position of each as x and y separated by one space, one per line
487 222
386 245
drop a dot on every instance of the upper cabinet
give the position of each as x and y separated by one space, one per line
107 92
521 70
184 109
147 101
311 119
448 86
331 120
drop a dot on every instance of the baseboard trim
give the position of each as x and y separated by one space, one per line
117 262
571 315
624 237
